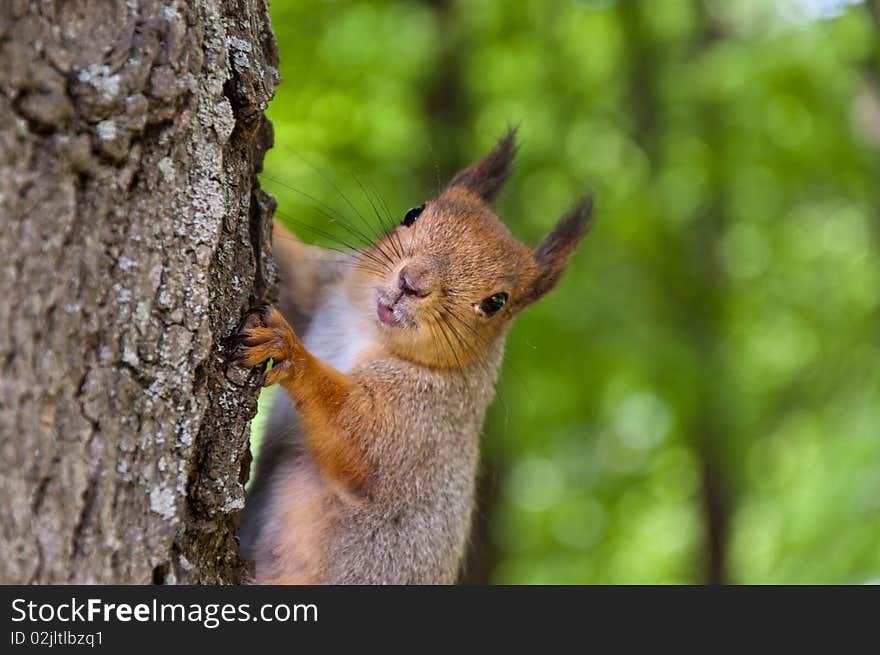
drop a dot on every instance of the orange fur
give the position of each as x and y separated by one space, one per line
317 389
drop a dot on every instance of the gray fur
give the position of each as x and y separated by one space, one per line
413 528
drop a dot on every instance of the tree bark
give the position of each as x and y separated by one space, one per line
133 236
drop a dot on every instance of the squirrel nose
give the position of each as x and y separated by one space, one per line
413 281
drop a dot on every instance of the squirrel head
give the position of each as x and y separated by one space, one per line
446 282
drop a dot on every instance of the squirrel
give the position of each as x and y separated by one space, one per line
368 468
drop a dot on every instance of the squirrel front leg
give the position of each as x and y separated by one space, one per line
318 390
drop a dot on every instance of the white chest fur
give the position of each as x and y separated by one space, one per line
335 336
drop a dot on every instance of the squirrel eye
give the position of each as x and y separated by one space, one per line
493 303
412 215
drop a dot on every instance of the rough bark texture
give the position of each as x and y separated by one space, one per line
133 236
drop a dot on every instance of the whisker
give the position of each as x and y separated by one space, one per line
384 230
386 225
345 198
463 342
333 214
435 341
487 343
490 373
391 229
436 167
339 219
336 239
438 321
388 231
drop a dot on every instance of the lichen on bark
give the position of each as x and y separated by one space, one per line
133 237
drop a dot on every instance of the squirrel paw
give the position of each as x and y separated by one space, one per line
266 335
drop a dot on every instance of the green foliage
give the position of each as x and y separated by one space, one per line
716 334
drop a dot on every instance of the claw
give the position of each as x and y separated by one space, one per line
261 378
265 311
264 335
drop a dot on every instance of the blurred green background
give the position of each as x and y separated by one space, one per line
699 401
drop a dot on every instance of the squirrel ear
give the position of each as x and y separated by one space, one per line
552 253
487 176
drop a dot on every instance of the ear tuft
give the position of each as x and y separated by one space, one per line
487 176
552 253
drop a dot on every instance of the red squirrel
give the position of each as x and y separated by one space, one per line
368 468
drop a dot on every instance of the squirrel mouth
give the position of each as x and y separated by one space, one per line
386 314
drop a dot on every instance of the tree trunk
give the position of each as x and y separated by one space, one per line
133 236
